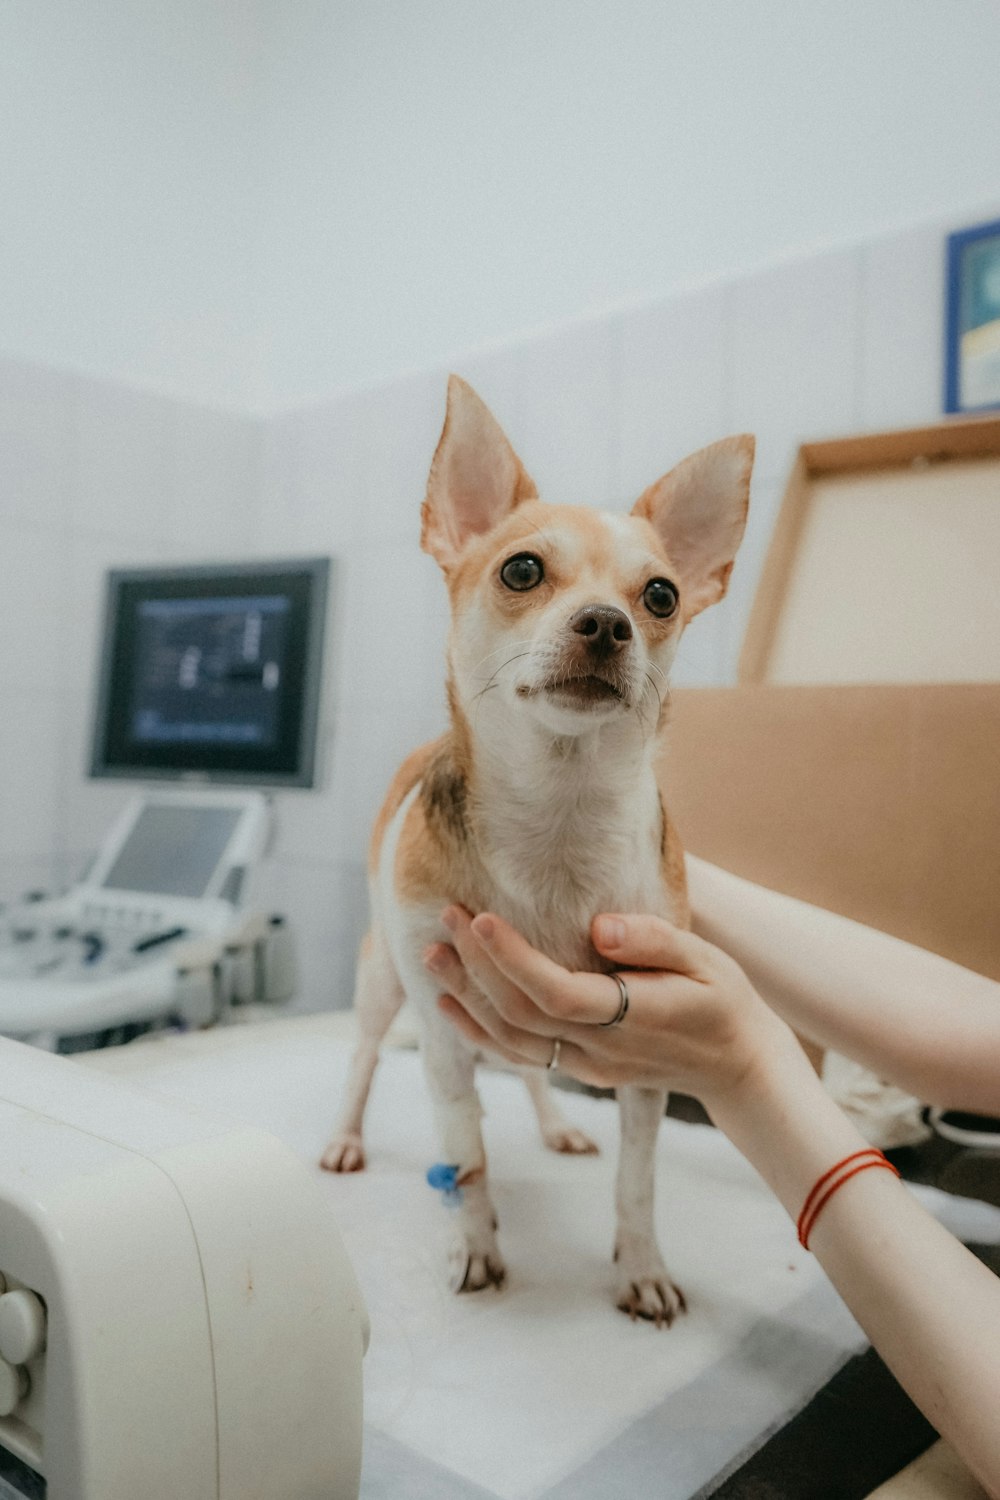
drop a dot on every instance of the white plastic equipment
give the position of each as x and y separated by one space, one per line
178 1317
154 928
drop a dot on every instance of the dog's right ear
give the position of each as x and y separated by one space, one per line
476 478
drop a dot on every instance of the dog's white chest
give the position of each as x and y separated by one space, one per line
556 871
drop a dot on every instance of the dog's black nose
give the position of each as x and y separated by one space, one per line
604 628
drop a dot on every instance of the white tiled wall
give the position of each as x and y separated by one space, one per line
92 475
347 479
900 374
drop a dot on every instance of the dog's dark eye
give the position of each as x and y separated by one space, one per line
522 572
660 597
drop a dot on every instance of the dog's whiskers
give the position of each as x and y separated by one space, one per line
516 657
497 650
492 684
641 701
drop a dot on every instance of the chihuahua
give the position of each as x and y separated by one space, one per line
541 801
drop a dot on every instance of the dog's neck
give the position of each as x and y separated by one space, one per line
524 772
567 825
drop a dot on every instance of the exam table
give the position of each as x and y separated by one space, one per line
544 1391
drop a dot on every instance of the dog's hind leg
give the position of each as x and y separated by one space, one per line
378 995
558 1133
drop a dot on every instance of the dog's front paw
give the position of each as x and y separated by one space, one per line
569 1141
471 1270
646 1291
345 1153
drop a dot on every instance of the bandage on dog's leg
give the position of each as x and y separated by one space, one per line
475 1261
461 1137
645 1289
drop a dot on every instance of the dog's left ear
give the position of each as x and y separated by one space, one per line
699 510
476 477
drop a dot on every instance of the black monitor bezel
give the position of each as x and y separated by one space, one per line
293 762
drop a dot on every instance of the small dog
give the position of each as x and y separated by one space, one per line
541 801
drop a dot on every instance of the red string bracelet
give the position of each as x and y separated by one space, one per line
823 1190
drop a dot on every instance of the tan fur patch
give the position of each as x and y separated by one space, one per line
404 780
674 874
436 858
429 869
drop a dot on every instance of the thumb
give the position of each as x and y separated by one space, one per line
647 942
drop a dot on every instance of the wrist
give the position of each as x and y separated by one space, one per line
772 1071
784 1122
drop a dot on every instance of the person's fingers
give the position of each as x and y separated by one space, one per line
447 967
564 997
489 1031
530 1052
523 1036
571 1058
511 1001
647 942
527 1037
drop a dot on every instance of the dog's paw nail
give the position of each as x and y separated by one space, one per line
569 1141
344 1154
473 1273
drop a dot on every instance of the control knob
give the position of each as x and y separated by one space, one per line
22 1326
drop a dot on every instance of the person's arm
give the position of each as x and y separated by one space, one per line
696 1023
912 1017
929 1307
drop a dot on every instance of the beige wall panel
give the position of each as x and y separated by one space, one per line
895 578
878 802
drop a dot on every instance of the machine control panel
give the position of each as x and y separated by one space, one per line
153 933
23 1336
22 1325
52 938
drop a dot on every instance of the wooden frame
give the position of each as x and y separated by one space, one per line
948 442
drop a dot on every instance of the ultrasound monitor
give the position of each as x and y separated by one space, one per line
212 673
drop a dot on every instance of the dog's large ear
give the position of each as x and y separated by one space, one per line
476 477
699 510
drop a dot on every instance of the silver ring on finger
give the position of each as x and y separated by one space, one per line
553 1061
622 1010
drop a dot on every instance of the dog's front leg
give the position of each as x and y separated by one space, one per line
645 1289
450 1068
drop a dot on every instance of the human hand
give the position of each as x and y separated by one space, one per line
694 1022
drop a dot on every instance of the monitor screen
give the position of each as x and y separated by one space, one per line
173 851
212 672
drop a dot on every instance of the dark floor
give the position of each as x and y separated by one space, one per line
970 1172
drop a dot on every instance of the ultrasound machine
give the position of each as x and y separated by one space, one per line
209 688
178 1316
